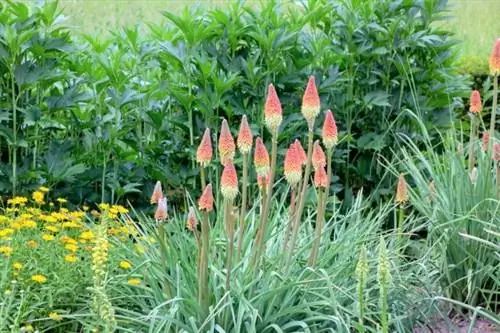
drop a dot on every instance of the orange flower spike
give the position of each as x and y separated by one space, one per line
401 190
229 181
293 165
261 158
157 193
318 156
486 140
245 137
496 152
330 134
205 152
320 178
161 213
191 222
272 110
226 143
495 59
206 201
311 102
302 152
475 102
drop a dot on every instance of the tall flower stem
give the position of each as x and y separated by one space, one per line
203 275
291 217
14 134
228 219
163 253
493 111
472 143
260 242
400 229
320 219
329 153
244 199
202 178
302 199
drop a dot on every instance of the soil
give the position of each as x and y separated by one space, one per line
459 325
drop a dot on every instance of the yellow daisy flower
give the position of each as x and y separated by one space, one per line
39 278
125 264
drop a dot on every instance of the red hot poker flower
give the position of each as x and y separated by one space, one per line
401 190
161 213
475 102
206 201
496 152
302 152
318 156
495 59
204 152
330 135
320 178
310 102
261 158
293 165
226 143
486 140
272 110
229 181
245 137
191 221
157 193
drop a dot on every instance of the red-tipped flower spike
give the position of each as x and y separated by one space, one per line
302 152
161 213
229 181
261 158
496 152
245 137
320 178
318 156
330 134
495 59
204 152
486 140
206 201
263 181
226 143
191 222
157 193
293 165
401 190
272 110
475 102
310 102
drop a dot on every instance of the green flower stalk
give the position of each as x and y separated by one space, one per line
321 183
206 205
401 199
495 73
384 280
361 275
475 108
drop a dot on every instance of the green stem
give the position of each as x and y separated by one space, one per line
493 111
14 136
202 178
163 253
384 307
243 205
498 179
320 218
291 217
329 153
230 241
103 179
399 236
298 213
258 239
205 248
361 304
472 143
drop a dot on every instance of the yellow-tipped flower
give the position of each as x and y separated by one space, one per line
495 59
191 222
161 213
204 152
206 201
261 158
245 137
401 190
320 177
302 152
293 165
226 144
318 156
310 102
229 181
330 134
157 193
475 102
272 110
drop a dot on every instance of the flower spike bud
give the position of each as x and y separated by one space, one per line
293 165
495 59
302 152
191 222
496 152
330 134
473 176
318 156
206 201
310 102
229 181
320 177
272 110
157 193
204 152
486 140
245 137
401 190
475 102
261 158
161 213
263 181
226 143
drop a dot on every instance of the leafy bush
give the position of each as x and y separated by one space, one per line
113 112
